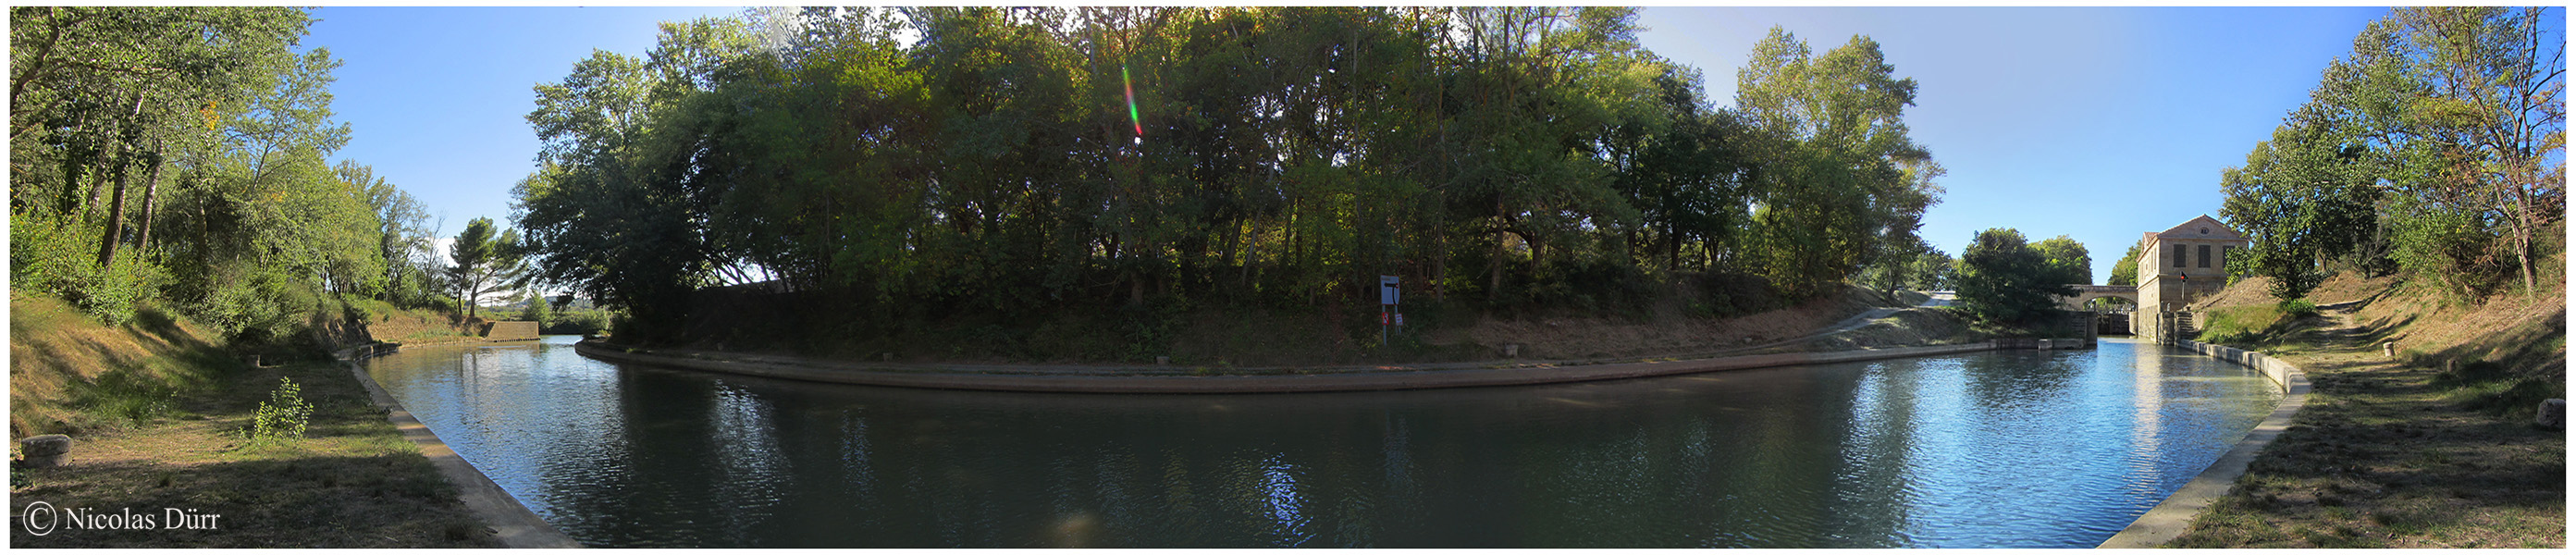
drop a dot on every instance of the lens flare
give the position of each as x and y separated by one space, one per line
1131 104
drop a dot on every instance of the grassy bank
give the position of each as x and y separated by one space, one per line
157 415
1665 319
2431 448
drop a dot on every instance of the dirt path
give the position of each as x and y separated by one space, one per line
2381 458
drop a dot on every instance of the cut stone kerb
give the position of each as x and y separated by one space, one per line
45 451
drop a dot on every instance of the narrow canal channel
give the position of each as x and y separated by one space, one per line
1996 449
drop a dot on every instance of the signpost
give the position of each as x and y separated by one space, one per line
1388 292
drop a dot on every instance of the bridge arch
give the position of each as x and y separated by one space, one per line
2087 293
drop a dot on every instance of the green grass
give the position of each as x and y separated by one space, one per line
350 480
158 419
2243 326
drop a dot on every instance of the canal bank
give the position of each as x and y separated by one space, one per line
511 522
2171 518
1168 379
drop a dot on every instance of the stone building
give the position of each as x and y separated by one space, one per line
2181 266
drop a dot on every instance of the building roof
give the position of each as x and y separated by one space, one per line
2203 227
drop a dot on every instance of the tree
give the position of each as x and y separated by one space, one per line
2438 143
1031 159
1932 271
485 264
1897 268
2303 198
1842 182
2125 270
222 131
538 312
2493 101
2073 266
2004 280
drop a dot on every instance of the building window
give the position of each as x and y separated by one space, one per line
2223 253
2180 260
2204 256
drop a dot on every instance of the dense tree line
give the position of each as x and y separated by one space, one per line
179 155
2437 147
2005 278
1016 159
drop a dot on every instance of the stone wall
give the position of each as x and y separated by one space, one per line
510 331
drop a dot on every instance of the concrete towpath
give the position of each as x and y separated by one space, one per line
1232 379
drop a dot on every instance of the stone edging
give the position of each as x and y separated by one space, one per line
512 523
2169 519
879 375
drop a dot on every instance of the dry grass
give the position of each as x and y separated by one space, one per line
352 481
2400 452
1665 333
68 374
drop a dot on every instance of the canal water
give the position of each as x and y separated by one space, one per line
1995 449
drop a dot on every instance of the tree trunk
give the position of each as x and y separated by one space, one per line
108 163
116 160
115 222
2522 250
143 221
1494 269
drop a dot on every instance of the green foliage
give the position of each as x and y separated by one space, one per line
52 256
2244 326
1841 184
2437 147
1931 270
2004 280
2125 272
538 312
282 417
179 154
1282 157
2298 308
485 264
579 322
2067 259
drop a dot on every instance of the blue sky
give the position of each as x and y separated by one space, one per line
2096 123
437 98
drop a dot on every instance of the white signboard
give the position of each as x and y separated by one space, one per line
1387 291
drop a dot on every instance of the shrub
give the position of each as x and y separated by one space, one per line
2298 308
283 416
53 256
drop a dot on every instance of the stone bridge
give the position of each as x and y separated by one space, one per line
2086 293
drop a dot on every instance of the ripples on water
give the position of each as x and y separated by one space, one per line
1999 449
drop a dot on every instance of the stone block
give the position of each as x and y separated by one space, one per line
2553 414
46 450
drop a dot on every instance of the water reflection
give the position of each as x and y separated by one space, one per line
2005 449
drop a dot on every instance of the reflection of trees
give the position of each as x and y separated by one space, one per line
1828 456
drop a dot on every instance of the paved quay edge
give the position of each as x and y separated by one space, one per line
2171 518
511 522
1393 378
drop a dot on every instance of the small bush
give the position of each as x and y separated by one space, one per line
283 416
2297 309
